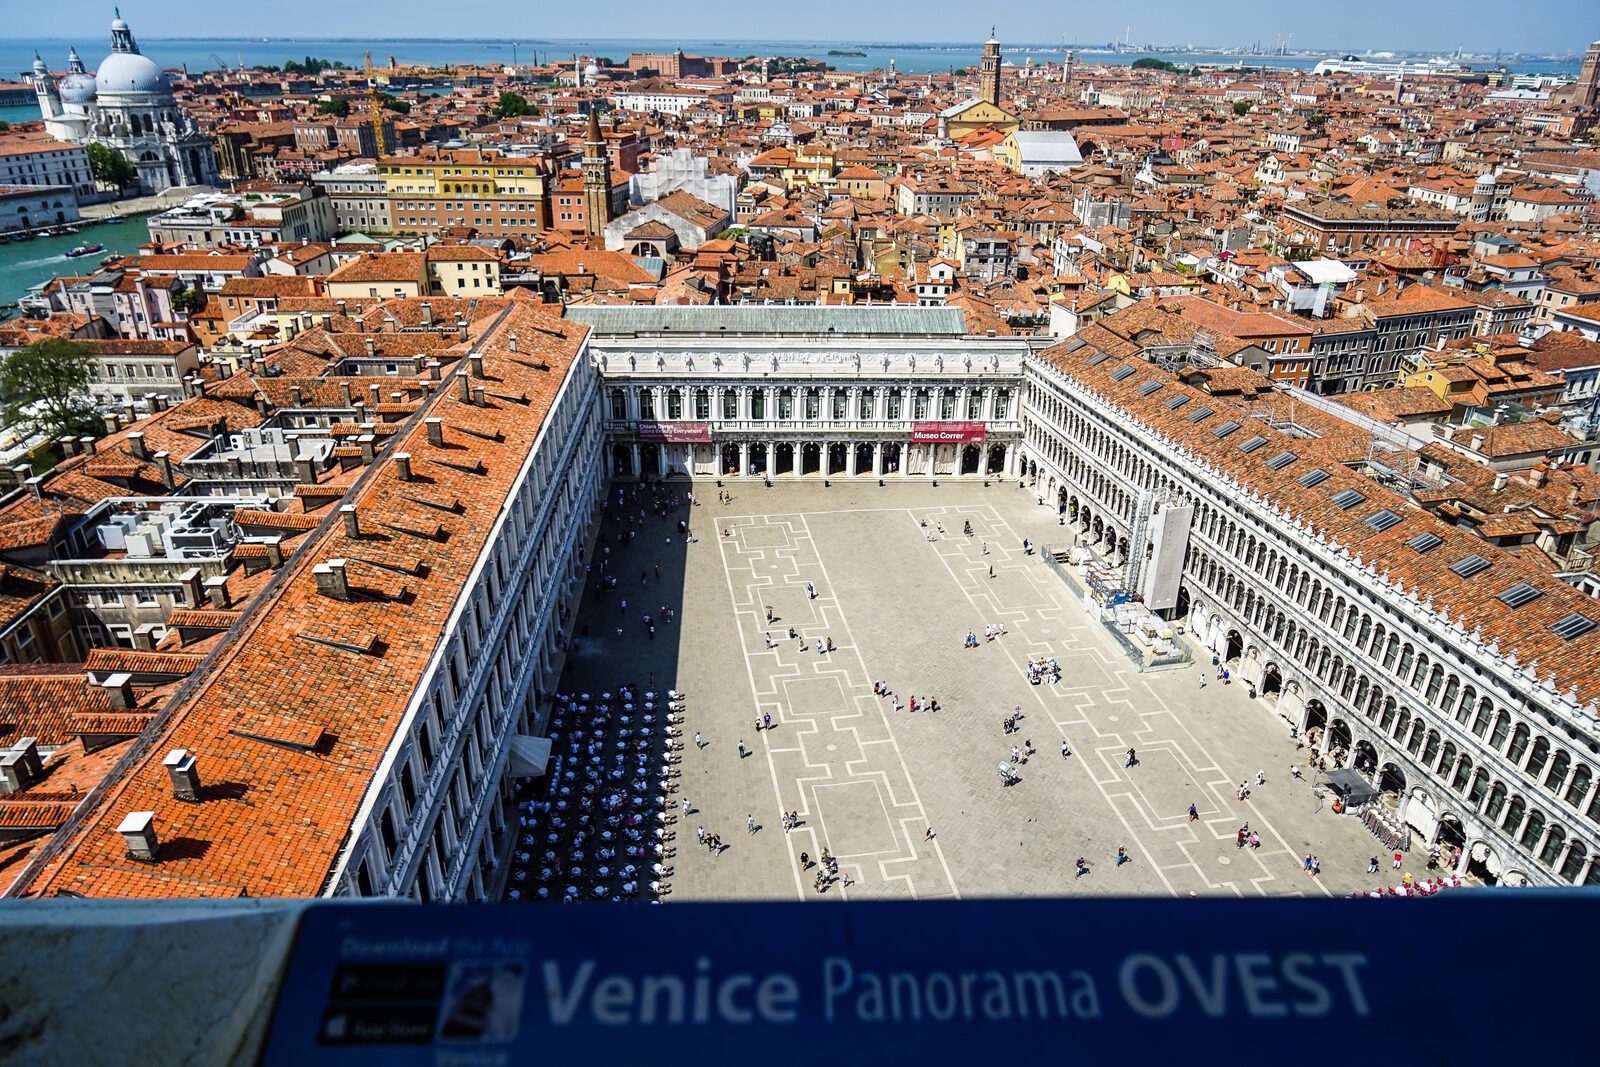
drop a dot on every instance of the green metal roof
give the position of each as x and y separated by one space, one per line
771 320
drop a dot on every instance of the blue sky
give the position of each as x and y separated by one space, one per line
1479 25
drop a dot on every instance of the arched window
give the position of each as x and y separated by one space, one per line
758 404
1497 803
785 403
1431 751
702 404
1552 846
674 403
1531 832
1502 726
1536 761
1573 866
619 404
1559 766
1578 788
1463 773
1519 745
1514 812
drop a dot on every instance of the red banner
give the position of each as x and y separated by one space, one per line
674 433
944 433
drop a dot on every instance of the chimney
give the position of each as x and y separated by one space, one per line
217 592
35 485
435 427
263 406
119 688
461 334
433 369
86 445
369 446
1539 476
185 776
1477 442
352 521
344 393
402 465
475 361
164 461
295 396
113 422
136 445
331 580
427 314
360 407
69 446
513 342
20 765
327 320
464 388
305 470
370 346
190 580
1500 479
340 305
138 832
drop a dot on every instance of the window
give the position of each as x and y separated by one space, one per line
785 404
1224 430
647 403
1250 444
975 404
919 404
1149 387
1573 626
674 404
869 402
1473 564
619 404
1425 542
1346 499
1520 594
1383 520
1174 403
758 404
1281 460
1313 478
947 404
1124 371
730 404
1097 359
702 404
896 403
1002 404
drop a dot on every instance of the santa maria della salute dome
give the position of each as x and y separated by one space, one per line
127 105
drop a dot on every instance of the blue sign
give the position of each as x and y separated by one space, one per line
1435 979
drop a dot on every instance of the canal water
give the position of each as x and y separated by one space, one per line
27 263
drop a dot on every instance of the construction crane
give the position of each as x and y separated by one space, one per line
375 107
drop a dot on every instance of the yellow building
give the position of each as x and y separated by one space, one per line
464 270
492 193
971 115
808 166
381 276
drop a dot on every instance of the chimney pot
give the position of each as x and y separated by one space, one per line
331 580
138 832
190 580
475 361
435 427
464 388
164 462
344 393
69 445
477 396
402 465
185 776
86 445
1500 479
295 396
433 369
513 342
370 346
35 484
136 445
119 688
352 521
217 592
274 552
20 765
113 422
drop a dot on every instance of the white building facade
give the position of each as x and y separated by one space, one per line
127 105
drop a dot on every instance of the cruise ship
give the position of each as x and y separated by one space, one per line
1386 65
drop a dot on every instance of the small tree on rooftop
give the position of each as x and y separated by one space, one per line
46 388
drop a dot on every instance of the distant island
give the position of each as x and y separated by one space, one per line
841 52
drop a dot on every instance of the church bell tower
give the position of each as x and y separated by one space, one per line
596 179
989 74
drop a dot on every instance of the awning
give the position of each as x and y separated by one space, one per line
529 755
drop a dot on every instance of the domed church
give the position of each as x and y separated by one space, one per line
127 105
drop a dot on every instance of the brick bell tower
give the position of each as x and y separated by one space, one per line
596 180
989 73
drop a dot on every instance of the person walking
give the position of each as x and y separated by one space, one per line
699 742
766 720
1065 750
1122 855
1194 815
811 591
927 834
1399 857
1131 760
741 748
805 862
1261 778
700 836
1372 865
1202 679
750 823
1083 867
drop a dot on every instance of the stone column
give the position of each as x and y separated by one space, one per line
1588 865
744 457
1566 850
850 458
634 458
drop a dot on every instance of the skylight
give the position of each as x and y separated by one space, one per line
1281 460
1473 564
1313 478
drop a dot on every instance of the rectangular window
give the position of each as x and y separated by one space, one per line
1424 542
1383 520
1313 478
1469 566
730 404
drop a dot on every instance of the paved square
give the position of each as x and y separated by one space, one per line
896 587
